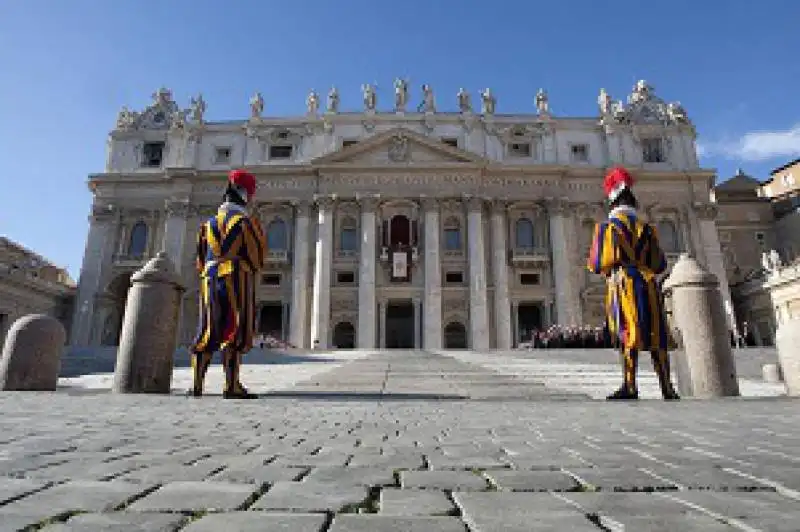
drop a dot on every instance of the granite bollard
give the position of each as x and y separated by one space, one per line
787 340
149 329
706 366
31 357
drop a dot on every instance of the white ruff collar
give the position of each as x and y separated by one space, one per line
230 206
622 209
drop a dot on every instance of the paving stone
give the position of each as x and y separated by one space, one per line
628 504
665 523
443 480
15 521
621 479
312 460
119 522
310 497
762 510
258 473
352 476
170 472
520 512
389 461
532 480
467 462
706 478
414 502
387 523
254 521
196 496
79 495
11 488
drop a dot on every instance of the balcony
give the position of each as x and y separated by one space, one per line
530 257
277 256
385 255
126 260
347 254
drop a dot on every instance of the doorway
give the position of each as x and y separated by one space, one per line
455 336
400 325
344 335
270 319
529 320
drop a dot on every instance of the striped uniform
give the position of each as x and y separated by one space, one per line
627 252
230 251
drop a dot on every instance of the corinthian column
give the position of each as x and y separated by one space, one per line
478 311
366 277
502 306
432 298
299 310
566 291
321 298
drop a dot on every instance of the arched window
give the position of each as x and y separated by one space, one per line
524 234
452 234
668 236
348 236
276 235
138 242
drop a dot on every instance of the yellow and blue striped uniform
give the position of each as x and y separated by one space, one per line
230 251
626 250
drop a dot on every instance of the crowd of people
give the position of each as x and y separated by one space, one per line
561 337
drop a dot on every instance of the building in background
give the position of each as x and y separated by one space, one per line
30 284
396 225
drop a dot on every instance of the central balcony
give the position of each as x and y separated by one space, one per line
530 257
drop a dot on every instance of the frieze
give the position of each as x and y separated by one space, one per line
179 208
356 180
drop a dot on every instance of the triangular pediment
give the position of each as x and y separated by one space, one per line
399 146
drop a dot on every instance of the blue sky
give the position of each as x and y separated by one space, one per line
68 66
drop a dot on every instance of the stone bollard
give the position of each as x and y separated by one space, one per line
705 367
787 340
32 354
149 329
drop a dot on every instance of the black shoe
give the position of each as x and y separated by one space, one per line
671 395
623 394
194 393
241 393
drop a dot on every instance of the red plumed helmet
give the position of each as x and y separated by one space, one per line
243 179
617 179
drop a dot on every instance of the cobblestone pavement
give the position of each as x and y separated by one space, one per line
397 442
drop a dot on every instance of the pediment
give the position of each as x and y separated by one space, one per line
399 146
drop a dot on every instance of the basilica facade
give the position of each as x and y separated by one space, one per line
395 225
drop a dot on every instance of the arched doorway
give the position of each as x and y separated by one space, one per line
529 320
455 336
115 298
344 335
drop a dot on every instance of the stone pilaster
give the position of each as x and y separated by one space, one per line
382 318
321 296
432 327
300 259
175 232
417 320
502 306
97 255
566 290
478 311
366 333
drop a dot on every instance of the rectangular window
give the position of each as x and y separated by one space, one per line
529 279
452 239
271 279
280 152
349 240
222 155
454 278
519 149
152 154
451 142
653 151
345 278
348 142
580 153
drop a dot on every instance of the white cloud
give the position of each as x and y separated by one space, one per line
756 145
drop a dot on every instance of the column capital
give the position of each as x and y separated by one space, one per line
429 204
104 213
499 206
705 211
178 207
301 207
368 202
323 201
557 206
474 203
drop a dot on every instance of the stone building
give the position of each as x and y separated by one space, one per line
759 232
395 225
30 284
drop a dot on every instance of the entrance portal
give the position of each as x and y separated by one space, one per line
455 336
270 320
529 320
344 335
400 325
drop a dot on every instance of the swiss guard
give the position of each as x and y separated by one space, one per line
230 251
626 251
